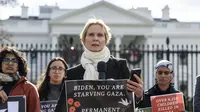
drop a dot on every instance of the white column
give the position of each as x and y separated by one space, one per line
148 39
54 40
117 44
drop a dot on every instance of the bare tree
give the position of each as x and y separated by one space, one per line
5 36
8 2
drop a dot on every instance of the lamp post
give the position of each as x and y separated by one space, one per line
167 43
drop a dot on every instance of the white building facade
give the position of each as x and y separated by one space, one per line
125 25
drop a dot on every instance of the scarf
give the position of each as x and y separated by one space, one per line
89 61
7 78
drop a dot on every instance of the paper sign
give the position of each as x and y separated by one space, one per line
168 103
148 109
14 104
48 106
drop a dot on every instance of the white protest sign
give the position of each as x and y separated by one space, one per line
14 104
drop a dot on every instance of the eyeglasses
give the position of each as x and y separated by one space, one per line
165 72
8 60
59 69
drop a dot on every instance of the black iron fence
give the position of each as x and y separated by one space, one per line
185 59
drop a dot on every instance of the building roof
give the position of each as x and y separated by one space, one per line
37 18
160 20
29 18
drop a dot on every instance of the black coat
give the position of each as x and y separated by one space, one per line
197 95
116 69
146 102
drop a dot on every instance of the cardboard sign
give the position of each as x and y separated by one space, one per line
14 104
48 106
168 103
98 96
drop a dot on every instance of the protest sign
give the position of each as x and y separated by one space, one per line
14 104
48 106
148 109
98 96
168 103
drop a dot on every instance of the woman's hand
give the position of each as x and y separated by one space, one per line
3 96
137 88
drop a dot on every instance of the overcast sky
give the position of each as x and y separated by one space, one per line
183 10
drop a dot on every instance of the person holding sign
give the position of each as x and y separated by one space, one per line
50 87
13 82
97 62
164 76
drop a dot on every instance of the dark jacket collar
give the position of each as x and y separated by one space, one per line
155 90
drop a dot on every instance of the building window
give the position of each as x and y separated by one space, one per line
183 57
33 57
159 55
184 86
164 25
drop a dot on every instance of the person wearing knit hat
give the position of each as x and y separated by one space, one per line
167 65
164 75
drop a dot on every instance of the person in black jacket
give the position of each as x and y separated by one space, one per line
94 38
164 76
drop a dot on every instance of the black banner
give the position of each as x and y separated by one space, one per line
14 104
98 96
48 106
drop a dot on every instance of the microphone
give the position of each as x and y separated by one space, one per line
101 67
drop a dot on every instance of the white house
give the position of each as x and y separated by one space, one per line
136 25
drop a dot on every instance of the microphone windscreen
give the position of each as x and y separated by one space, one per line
101 66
